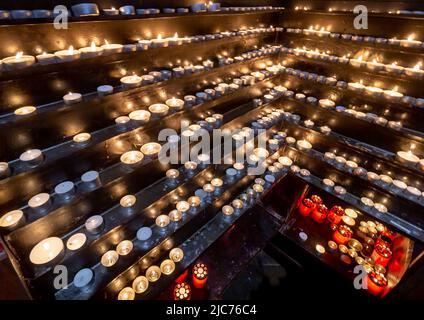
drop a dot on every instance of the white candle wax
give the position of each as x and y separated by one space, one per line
68 55
91 51
175 104
140 116
151 149
32 157
72 97
144 233
94 224
131 81
407 157
110 48
46 58
109 258
132 158
76 241
46 251
82 138
18 61
40 201
159 109
11 219
24 111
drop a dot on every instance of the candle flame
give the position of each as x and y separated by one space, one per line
410 37
417 66
394 64
93 45
106 42
159 37
19 55
113 8
71 50
176 35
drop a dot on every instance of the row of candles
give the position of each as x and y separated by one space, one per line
359 62
389 95
385 178
408 42
35 157
21 60
133 81
373 250
405 157
91 9
334 9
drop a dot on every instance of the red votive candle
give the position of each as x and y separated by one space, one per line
376 283
335 215
305 207
200 275
388 234
342 234
316 199
182 291
320 213
182 277
381 254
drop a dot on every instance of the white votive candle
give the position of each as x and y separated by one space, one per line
72 97
40 202
132 158
68 55
46 251
24 111
91 51
18 61
131 81
109 258
12 219
94 224
76 241
159 109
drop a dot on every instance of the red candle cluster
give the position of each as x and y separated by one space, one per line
335 215
200 275
376 282
320 213
381 254
182 291
306 206
343 234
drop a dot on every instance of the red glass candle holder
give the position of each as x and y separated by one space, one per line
384 241
320 213
305 207
376 282
335 215
182 291
182 277
342 234
316 199
200 275
381 254
389 234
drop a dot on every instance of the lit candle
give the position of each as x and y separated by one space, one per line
132 158
12 219
91 51
190 166
76 241
200 275
182 291
394 68
159 42
175 215
24 111
151 149
303 145
132 81
407 157
40 202
109 258
111 12
68 55
159 109
112 47
140 116
183 206
175 104
82 138
162 221
126 294
176 254
124 247
46 251
140 284
46 58
358 62
227 210
410 42
367 201
320 249
167 267
153 273
128 201
392 95
72 97
94 224
18 61
415 71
